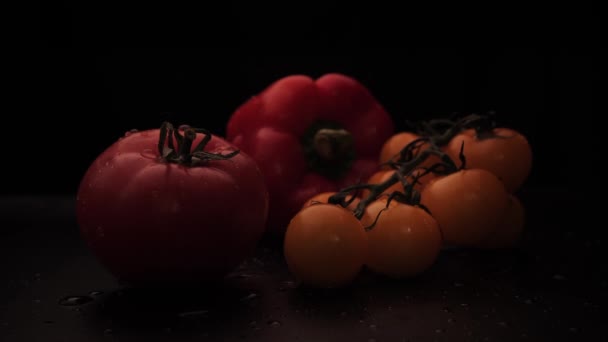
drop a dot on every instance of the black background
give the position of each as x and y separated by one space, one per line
96 72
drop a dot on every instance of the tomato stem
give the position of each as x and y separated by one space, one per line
439 133
183 154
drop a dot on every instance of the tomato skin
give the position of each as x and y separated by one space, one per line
325 246
467 204
509 231
271 125
508 155
148 221
404 242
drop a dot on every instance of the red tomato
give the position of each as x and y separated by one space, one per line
509 230
405 240
467 204
149 220
505 152
325 246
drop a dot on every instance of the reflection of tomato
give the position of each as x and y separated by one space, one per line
509 230
467 205
405 240
150 220
323 198
504 152
397 142
325 246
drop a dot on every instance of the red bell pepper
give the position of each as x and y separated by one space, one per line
310 136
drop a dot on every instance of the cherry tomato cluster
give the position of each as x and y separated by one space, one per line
449 183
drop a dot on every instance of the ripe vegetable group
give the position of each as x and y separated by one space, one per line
182 205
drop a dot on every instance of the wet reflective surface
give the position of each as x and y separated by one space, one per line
553 288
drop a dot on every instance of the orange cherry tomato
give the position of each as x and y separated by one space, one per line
323 197
506 153
396 143
325 246
405 240
467 204
508 232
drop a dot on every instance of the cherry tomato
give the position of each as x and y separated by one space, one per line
323 197
467 204
504 152
396 143
325 246
508 232
405 240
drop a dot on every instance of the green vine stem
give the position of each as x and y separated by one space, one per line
183 153
410 159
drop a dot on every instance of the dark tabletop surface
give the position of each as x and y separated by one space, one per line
553 288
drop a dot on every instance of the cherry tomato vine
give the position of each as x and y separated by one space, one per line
436 133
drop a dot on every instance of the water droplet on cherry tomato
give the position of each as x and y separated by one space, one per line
75 300
130 132
148 153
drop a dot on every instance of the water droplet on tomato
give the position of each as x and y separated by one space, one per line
75 300
148 153
130 132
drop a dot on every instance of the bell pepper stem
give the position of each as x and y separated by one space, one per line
330 144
